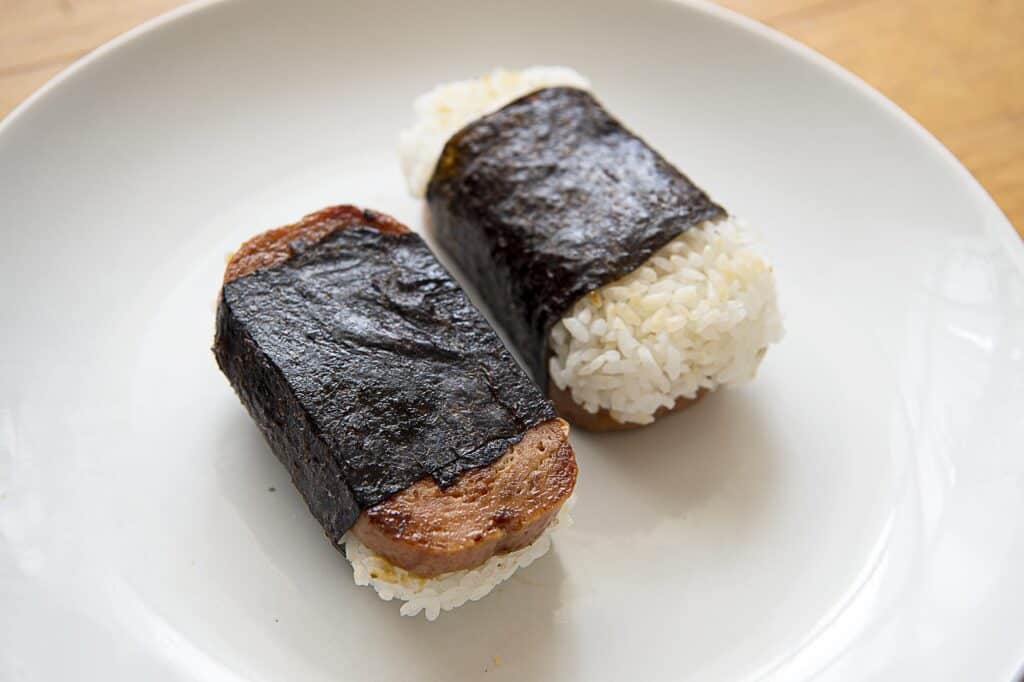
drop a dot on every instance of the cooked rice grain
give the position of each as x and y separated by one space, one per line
441 112
449 590
699 314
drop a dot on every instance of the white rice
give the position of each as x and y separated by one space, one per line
448 590
447 108
699 314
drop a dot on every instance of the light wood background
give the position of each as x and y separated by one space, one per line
955 65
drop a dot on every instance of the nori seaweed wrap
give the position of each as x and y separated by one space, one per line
547 204
550 198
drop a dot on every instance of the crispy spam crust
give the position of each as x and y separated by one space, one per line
273 247
495 509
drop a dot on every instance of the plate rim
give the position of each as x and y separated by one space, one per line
1012 242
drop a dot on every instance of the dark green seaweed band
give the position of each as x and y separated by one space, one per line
548 199
367 369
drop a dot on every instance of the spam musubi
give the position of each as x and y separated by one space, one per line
415 438
627 291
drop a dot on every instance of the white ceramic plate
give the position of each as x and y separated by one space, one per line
857 512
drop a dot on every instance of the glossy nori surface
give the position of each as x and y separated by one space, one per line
550 198
367 369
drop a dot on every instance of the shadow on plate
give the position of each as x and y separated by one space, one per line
722 453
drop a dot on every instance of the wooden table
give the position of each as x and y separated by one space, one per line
955 65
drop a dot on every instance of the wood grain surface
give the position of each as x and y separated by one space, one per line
957 66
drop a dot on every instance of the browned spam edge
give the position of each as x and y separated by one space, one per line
491 510
273 247
602 420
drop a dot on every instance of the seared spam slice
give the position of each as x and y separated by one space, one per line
494 509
